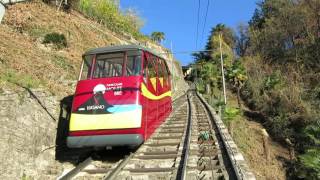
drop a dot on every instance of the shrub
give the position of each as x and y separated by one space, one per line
230 113
271 81
309 164
55 38
107 13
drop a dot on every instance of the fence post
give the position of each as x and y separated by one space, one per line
265 138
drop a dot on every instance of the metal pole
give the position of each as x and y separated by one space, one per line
222 72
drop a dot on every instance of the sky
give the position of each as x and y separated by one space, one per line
178 19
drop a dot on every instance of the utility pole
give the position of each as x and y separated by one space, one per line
222 72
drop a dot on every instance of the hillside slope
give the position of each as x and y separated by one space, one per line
23 56
36 78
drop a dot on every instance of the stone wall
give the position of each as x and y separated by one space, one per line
27 135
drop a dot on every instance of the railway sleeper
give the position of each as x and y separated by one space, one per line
171 131
206 167
147 163
160 152
164 141
204 154
142 176
168 136
172 127
173 122
163 144
150 170
162 156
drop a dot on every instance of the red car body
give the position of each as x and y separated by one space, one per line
122 96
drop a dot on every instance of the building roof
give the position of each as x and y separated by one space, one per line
119 48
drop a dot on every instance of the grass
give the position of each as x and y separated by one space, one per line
24 80
62 62
37 31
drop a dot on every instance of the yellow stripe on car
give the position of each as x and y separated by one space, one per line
161 81
154 83
146 93
129 119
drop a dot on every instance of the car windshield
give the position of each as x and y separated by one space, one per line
108 65
111 65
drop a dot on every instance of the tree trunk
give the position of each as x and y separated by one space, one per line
208 89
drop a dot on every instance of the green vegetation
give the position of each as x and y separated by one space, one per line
276 73
207 67
37 31
24 80
157 36
62 62
59 40
309 164
289 61
107 13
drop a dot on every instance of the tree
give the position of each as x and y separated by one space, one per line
212 46
236 75
200 56
285 34
287 31
158 36
227 33
242 41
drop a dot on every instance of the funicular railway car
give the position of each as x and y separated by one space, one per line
122 96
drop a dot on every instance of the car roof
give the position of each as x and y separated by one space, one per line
119 48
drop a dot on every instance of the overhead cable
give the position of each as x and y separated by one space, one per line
205 19
198 24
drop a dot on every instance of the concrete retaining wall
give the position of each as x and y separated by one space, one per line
12 1
3 3
2 11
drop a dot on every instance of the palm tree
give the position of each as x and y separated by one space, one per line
157 36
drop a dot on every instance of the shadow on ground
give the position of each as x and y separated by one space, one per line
76 155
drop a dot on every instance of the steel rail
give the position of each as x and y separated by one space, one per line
76 170
115 172
182 171
112 173
120 166
212 134
236 170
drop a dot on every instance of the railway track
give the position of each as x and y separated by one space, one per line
186 146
